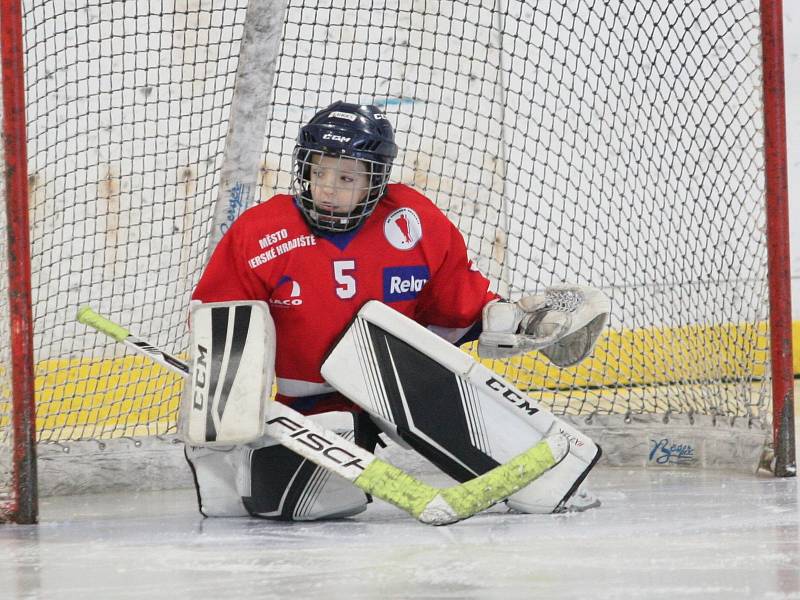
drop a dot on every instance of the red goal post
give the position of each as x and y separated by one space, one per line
592 143
20 501
777 200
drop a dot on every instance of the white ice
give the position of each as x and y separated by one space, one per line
658 534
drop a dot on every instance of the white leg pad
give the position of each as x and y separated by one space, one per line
267 480
218 472
545 496
454 411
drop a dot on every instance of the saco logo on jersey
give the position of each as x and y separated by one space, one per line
404 283
403 229
284 295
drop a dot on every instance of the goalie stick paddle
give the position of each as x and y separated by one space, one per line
428 504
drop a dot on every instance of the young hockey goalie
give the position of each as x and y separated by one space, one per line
317 257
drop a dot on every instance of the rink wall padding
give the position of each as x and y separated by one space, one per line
130 396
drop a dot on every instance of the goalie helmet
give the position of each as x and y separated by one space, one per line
361 140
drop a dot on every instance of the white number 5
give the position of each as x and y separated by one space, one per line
347 284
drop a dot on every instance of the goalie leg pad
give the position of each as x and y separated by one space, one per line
554 494
458 414
265 479
216 473
283 485
288 487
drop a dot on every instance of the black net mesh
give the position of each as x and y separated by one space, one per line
607 143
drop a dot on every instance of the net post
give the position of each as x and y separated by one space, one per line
24 502
777 208
244 144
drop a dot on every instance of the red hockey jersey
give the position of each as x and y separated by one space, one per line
407 254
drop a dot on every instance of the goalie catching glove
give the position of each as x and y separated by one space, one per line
563 323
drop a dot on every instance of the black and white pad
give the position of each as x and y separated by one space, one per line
265 479
232 349
458 414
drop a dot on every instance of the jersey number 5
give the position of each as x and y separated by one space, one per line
346 283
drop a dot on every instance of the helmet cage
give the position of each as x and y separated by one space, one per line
346 131
377 173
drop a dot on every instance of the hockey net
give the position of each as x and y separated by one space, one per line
607 143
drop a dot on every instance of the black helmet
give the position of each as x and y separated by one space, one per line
346 131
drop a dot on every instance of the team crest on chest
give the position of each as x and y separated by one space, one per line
403 229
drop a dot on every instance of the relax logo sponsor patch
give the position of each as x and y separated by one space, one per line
404 283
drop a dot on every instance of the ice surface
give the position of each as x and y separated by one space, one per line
659 534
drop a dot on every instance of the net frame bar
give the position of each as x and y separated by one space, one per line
777 208
23 504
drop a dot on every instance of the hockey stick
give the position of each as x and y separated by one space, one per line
428 504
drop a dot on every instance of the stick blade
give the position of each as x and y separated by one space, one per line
465 500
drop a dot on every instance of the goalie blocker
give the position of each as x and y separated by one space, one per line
429 395
233 366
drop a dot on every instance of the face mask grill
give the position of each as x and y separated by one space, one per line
336 193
